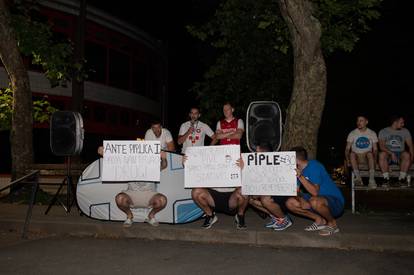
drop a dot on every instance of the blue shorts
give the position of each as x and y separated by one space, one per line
391 162
334 204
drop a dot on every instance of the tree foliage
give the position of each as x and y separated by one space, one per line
37 41
42 109
253 52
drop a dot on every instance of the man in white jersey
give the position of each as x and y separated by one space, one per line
157 132
194 131
362 147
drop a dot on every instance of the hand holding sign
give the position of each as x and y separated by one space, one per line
269 174
131 161
212 166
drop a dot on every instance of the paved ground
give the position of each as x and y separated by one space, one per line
135 256
377 232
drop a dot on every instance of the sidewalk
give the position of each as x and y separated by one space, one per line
372 232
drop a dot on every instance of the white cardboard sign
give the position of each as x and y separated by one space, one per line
212 166
131 160
270 173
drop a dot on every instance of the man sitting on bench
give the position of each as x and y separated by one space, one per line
361 147
392 142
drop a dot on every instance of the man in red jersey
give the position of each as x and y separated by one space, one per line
225 200
230 129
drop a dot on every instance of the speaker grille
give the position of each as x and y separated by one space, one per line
264 124
66 133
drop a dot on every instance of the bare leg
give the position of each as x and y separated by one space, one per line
320 205
238 201
203 199
256 203
371 161
383 162
300 206
405 161
272 207
157 202
123 201
354 164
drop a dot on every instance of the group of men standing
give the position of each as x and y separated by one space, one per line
318 197
362 148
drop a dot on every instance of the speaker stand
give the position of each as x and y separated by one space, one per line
70 191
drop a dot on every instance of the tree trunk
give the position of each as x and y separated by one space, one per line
22 119
307 102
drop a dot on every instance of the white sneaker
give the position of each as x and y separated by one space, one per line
358 182
152 221
128 222
372 184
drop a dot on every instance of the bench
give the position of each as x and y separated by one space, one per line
364 172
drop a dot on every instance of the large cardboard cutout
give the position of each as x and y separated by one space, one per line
96 199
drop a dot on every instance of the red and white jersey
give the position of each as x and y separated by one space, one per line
229 126
196 138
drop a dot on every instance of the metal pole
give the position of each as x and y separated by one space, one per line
69 185
29 210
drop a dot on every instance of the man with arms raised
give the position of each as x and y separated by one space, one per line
361 147
225 200
274 206
142 194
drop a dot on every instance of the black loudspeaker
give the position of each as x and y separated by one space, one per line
264 124
66 133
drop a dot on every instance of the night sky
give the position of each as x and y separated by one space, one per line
373 79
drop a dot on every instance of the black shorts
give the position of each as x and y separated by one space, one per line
221 202
281 201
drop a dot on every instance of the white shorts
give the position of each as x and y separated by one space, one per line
140 199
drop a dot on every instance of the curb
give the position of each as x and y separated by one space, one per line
348 241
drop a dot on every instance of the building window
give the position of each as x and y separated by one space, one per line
124 118
100 114
139 78
96 62
118 69
61 23
113 117
86 112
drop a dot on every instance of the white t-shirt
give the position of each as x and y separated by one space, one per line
141 186
196 138
164 138
362 141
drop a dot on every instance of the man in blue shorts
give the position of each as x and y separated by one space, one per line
321 200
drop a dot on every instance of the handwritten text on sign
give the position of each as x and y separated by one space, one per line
269 174
130 160
212 166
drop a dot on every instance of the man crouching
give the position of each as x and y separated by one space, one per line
142 194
